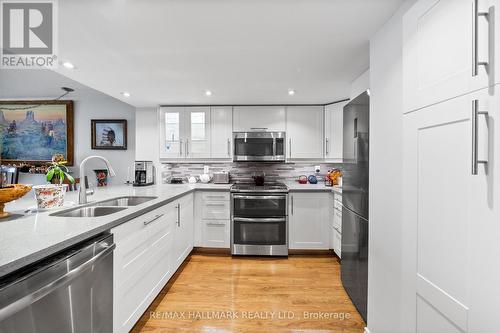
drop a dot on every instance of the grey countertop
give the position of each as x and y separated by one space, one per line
34 236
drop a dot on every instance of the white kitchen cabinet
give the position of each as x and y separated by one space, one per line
255 118
337 243
309 216
221 129
184 132
450 217
334 133
142 264
197 132
438 48
215 233
304 130
212 219
183 230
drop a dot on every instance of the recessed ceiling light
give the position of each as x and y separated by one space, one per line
68 65
126 94
291 92
208 93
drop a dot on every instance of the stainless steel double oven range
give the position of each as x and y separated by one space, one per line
259 219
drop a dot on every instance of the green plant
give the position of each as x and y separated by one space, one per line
57 171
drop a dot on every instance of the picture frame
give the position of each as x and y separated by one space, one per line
109 134
45 126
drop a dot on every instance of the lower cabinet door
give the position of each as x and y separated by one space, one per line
337 243
309 217
183 230
142 265
215 233
450 217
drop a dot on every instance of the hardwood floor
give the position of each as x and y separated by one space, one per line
219 293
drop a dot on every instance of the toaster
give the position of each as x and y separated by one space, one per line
221 177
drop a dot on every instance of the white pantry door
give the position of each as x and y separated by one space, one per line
450 232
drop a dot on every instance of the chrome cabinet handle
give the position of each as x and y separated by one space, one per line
215 204
475 158
326 145
258 128
178 214
475 26
216 224
172 136
187 147
228 147
291 203
180 147
153 219
290 147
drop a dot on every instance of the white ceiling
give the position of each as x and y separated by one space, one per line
244 51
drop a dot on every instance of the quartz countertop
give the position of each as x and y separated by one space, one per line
34 236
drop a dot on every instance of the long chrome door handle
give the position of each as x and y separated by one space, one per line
291 204
475 158
326 145
290 147
187 147
475 38
153 219
228 147
180 147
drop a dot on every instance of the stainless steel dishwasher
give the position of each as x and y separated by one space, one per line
68 292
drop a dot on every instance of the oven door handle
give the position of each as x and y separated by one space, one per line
259 220
259 197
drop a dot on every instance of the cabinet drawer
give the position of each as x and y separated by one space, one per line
215 233
215 196
337 204
337 242
140 239
215 210
337 220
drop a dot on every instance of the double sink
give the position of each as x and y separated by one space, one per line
103 208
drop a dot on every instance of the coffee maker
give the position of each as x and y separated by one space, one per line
144 173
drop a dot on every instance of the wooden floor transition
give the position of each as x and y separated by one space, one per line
220 293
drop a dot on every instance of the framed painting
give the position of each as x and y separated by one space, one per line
109 134
33 131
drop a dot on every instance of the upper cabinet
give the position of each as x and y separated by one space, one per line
304 130
448 50
221 128
184 132
334 118
255 118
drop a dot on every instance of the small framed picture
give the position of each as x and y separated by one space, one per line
109 134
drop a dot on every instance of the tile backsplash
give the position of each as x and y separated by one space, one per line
244 171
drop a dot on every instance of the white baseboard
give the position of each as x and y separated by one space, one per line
367 330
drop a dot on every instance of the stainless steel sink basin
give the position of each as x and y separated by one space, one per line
125 201
88 211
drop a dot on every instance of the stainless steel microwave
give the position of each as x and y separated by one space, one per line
259 146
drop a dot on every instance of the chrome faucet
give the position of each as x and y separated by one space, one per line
82 191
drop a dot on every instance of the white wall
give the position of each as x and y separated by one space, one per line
386 121
147 135
360 84
88 104
100 106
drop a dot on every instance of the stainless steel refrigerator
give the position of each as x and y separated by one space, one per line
354 266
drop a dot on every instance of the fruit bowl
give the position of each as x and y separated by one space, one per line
8 194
